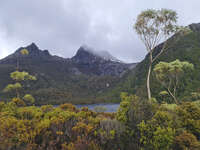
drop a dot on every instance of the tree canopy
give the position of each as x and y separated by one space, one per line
170 75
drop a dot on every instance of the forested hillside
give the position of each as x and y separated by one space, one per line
184 46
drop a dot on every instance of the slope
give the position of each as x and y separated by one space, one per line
184 46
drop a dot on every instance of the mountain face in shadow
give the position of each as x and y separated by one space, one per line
81 79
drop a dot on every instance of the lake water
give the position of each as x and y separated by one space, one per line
109 107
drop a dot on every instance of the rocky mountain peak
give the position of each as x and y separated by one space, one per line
91 61
195 27
84 56
35 54
34 51
87 54
83 51
86 61
33 46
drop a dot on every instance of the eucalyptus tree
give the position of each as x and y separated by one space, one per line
153 27
170 75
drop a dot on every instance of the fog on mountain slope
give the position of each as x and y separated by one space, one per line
101 53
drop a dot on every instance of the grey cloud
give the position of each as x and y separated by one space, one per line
62 26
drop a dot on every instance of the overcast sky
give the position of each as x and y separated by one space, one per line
62 26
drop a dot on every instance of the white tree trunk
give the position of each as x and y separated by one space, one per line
148 82
149 75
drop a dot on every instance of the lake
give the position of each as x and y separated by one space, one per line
110 107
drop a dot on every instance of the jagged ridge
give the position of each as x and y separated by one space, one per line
83 78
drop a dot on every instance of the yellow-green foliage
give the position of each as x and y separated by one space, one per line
138 124
18 102
171 107
170 74
29 99
21 76
24 52
68 106
125 105
12 87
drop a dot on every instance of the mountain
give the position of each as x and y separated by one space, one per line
84 78
100 63
35 54
101 54
96 76
184 46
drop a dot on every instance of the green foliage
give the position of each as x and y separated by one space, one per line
163 93
190 117
67 106
122 112
46 108
166 72
163 138
21 76
186 141
157 138
12 87
133 110
171 107
171 74
111 133
60 86
138 123
18 102
195 95
151 23
29 99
